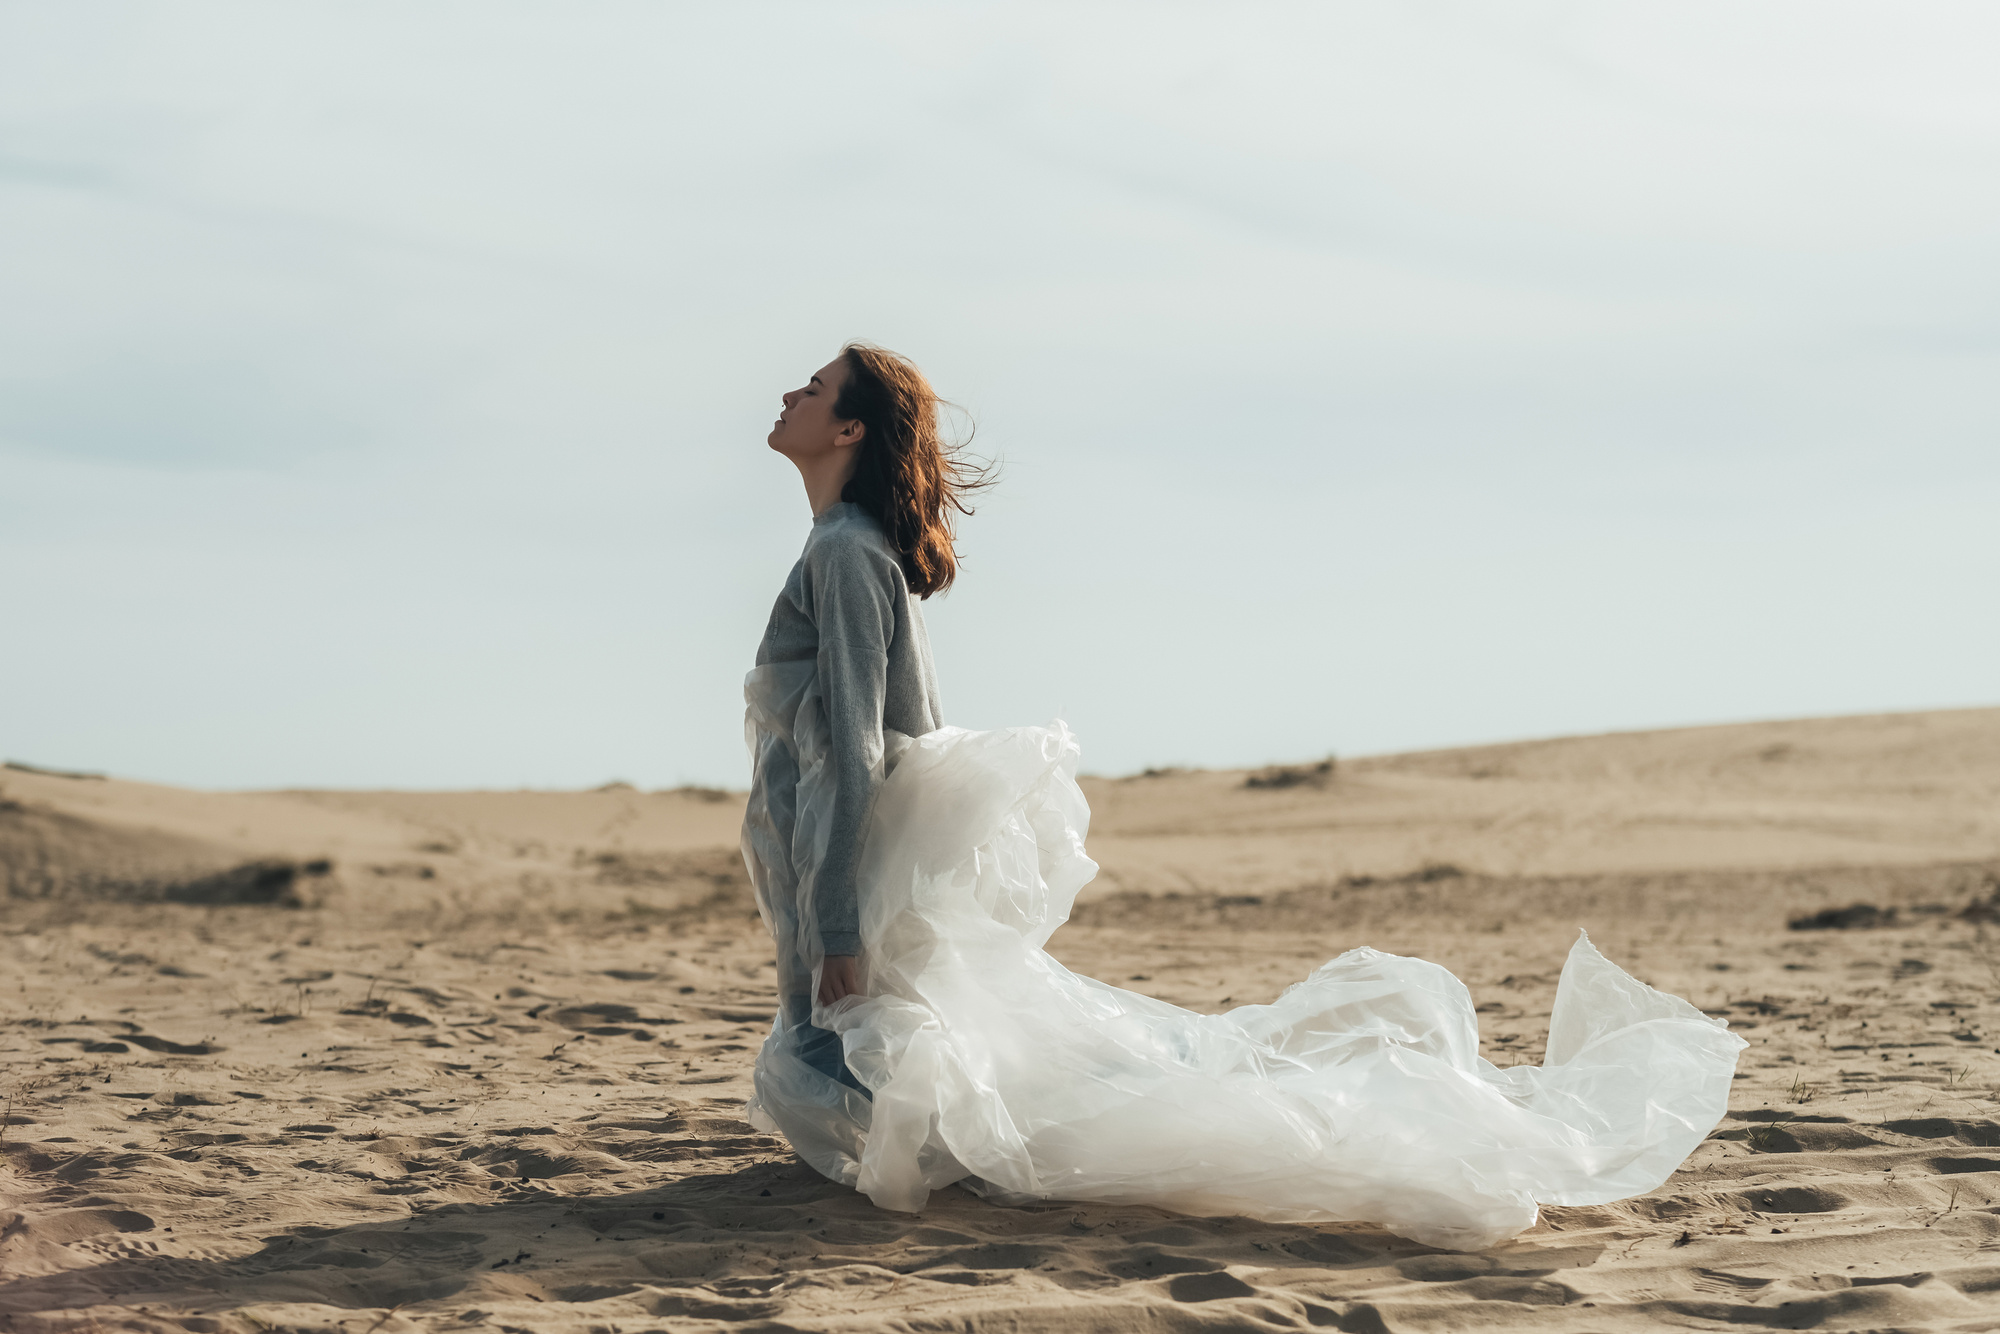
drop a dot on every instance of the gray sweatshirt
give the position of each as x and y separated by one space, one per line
847 607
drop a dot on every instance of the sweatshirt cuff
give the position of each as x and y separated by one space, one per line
841 942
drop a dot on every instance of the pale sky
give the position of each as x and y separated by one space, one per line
383 387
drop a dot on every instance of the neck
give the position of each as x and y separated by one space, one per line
825 478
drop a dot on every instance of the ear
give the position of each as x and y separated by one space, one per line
850 434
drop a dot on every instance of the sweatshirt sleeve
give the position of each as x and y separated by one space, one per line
852 606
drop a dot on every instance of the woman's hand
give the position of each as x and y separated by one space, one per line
839 976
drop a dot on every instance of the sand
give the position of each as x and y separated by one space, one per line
485 1067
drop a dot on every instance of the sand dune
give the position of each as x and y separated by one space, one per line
1894 789
1874 791
490 1073
64 838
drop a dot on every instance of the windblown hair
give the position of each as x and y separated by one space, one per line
909 478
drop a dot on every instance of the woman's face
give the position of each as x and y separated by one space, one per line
807 428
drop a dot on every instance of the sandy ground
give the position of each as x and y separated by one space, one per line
488 1069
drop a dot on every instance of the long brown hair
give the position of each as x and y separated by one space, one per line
908 476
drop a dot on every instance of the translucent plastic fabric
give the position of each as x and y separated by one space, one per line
1358 1095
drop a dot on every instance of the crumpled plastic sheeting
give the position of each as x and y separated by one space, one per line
1358 1095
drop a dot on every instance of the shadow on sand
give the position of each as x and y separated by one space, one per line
719 1246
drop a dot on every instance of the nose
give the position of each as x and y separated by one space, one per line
789 396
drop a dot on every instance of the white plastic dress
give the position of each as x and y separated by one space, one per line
1359 1094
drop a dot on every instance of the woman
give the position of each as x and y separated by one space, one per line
845 645
911 873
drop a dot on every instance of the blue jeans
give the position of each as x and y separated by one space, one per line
818 1047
